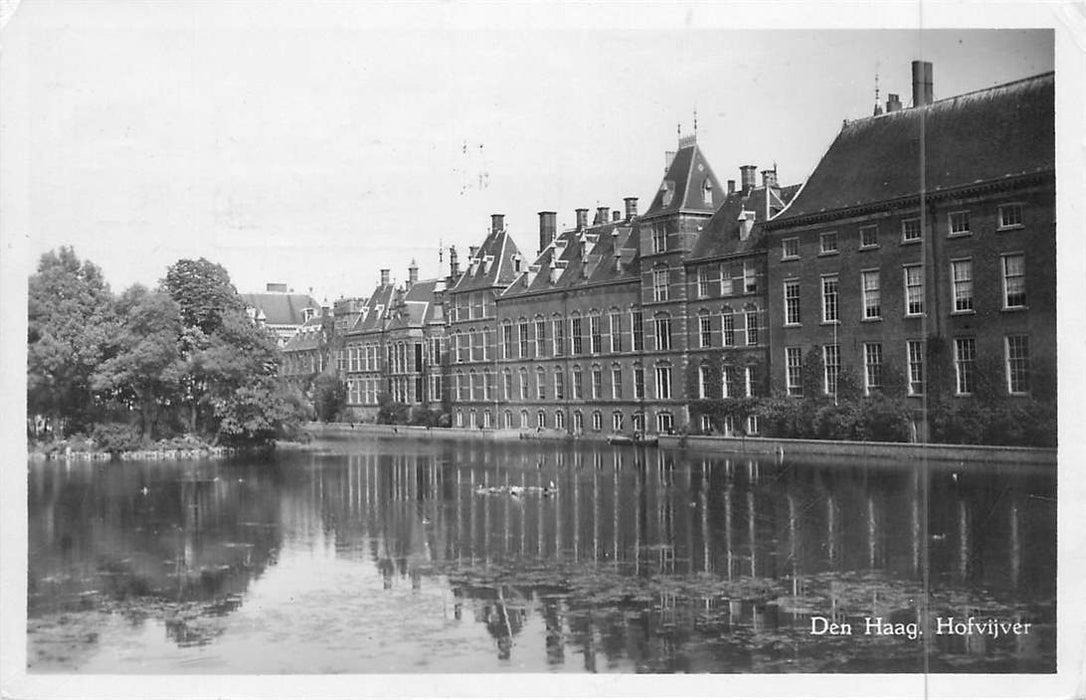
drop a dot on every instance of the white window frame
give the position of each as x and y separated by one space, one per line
831 302
1004 275
828 237
905 281
965 368
872 365
659 285
905 226
1010 369
868 291
950 222
1004 210
790 249
793 370
964 285
869 246
789 307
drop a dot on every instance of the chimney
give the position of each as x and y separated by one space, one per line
668 157
276 287
473 250
602 214
384 276
454 264
731 186
893 104
747 176
497 223
412 274
631 207
769 178
922 83
616 215
547 228
582 219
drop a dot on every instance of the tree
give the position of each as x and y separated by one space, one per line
329 396
146 370
69 316
204 293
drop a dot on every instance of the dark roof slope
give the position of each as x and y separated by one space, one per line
281 309
686 179
416 306
980 136
721 238
308 337
377 310
492 265
596 255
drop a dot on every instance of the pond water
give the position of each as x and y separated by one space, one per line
383 555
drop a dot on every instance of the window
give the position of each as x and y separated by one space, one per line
752 327
616 421
915 350
597 382
638 330
559 384
507 385
458 341
486 418
459 419
726 378
659 235
616 331
914 290
659 285
961 280
965 358
541 419
578 422
750 276
639 382
791 303
576 334
507 340
829 299
703 282
524 345
910 230
706 424
559 419
524 419
789 249
558 344
726 275
752 425
869 281
872 367
507 420
663 333
578 383
595 334
597 421
748 381
703 382
793 364
461 393
705 330
727 327
523 384
1014 281
540 383
1010 216
869 236
540 337
831 360
616 382
828 243
664 423
1017 351
476 386
638 420
959 223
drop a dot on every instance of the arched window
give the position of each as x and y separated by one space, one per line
597 421
486 418
559 419
705 329
507 385
459 419
578 422
616 421
472 419
662 331
541 419
727 326
507 340
508 420
523 384
524 419
541 383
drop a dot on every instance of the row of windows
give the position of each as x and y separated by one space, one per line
730 380
539 337
727 279
665 422
730 333
466 307
365 390
1016 367
728 426
957 222
1013 272
302 363
595 383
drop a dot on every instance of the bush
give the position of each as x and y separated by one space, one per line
117 437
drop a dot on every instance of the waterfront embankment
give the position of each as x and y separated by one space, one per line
754 446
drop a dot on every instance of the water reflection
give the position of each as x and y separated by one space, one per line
569 558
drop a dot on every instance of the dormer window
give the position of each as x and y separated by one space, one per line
668 192
707 192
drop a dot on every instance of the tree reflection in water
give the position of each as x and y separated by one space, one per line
639 559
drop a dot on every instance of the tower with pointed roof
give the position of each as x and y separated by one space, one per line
688 196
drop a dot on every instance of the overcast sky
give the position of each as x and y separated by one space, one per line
314 144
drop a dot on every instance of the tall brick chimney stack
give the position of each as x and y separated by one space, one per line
631 207
582 219
923 92
547 228
748 175
497 223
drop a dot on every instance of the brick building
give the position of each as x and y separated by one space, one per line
281 311
923 232
566 353
470 306
366 371
727 297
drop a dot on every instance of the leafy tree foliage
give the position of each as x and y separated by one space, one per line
329 396
69 320
204 293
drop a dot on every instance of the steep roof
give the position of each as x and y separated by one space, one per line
374 318
416 306
686 179
492 265
720 236
281 309
981 136
596 255
308 337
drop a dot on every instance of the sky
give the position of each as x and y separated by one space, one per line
313 144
